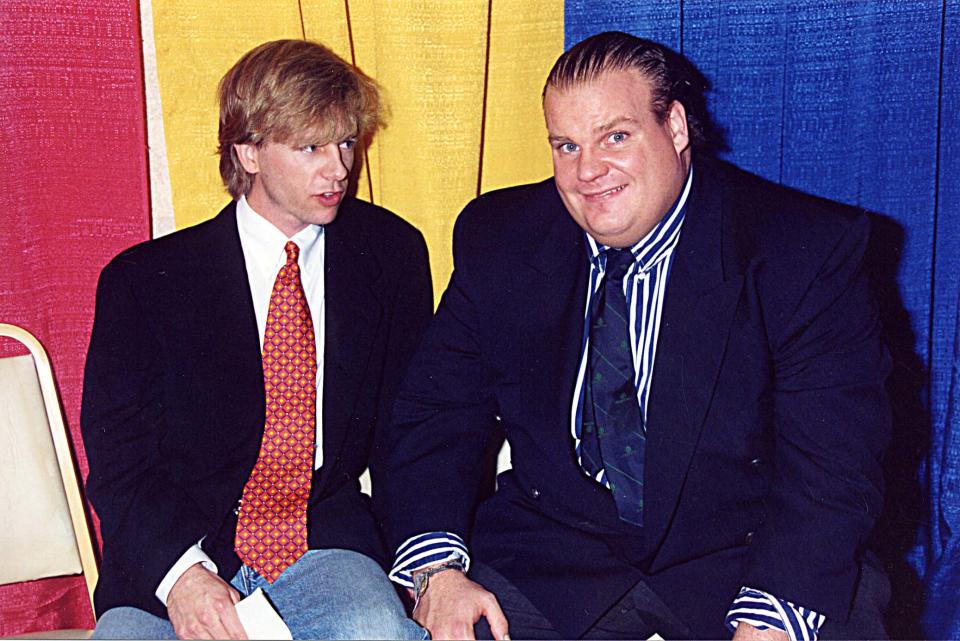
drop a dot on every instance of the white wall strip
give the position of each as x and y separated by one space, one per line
161 196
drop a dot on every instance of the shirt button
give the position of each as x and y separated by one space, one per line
748 539
534 493
757 462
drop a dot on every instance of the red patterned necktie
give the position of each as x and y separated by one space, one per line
272 523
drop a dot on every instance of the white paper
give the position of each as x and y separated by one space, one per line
259 619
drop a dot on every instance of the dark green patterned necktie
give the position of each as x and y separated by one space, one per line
612 432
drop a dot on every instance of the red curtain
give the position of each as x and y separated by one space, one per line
73 192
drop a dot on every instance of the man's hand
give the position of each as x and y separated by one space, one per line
746 632
452 603
200 606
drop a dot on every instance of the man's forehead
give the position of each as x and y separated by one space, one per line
329 128
627 80
612 97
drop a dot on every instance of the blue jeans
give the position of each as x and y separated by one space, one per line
326 594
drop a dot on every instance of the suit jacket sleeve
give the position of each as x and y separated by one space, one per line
442 419
412 310
147 520
832 424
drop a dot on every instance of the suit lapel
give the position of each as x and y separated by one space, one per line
353 313
557 271
231 345
553 297
228 336
698 310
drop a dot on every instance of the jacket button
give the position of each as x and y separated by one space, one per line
757 462
748 539
534 493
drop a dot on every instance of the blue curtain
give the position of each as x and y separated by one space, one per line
858 101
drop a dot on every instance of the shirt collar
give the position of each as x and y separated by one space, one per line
265 243
659 241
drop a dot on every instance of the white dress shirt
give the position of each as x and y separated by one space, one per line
264 255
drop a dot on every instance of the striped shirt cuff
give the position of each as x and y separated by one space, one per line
427 549
765 611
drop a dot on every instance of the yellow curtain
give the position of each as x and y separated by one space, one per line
462 79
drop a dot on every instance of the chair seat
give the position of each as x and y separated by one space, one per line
45 531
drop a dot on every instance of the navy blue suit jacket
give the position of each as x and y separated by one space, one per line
173 401
767 415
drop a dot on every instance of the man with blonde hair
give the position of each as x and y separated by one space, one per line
241 371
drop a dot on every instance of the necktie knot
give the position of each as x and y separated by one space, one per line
618 262
291 268
293 252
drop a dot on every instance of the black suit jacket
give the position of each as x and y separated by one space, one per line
767 414
173 401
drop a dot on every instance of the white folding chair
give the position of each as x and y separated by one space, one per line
46 532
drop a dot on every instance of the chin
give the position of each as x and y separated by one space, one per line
324 218
606 231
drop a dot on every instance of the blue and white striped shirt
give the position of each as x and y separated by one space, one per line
424 550
645 285
763 611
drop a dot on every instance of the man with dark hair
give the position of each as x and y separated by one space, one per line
686 363
241 372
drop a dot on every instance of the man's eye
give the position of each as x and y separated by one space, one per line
568 147
618 137
349 143
309 149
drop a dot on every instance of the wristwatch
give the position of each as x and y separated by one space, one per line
422 579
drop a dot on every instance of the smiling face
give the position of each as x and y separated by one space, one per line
617 166
300 184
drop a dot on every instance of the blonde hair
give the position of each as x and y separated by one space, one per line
291 91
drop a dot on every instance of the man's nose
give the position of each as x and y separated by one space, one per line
590 166
333 167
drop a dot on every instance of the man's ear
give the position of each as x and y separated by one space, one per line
249 155
677 122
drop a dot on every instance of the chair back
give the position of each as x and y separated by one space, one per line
46 532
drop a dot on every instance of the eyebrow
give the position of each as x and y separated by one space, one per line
611 124
310 139
601 128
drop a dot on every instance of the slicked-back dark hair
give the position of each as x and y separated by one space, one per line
671 76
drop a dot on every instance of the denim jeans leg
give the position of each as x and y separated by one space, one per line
340 594
132 623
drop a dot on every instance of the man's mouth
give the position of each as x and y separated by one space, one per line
329 198
605 193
